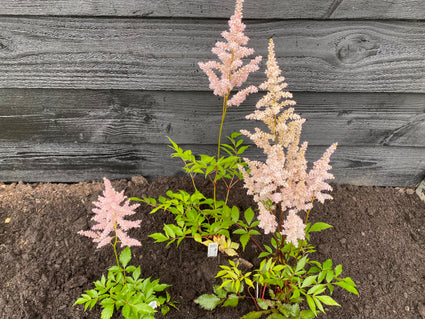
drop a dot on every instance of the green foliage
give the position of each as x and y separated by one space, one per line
210 166
124 289
285 280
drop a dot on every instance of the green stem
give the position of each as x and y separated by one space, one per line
114 245
219 146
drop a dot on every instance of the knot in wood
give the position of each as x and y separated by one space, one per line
356 47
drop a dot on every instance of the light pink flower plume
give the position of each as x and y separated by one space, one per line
110 212
282 179
233 72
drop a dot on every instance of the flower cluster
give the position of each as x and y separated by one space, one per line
110 211
233 71
282 182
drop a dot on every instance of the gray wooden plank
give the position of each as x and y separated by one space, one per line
73 162
270 9
153 54
119 117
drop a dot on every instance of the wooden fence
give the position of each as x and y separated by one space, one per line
92 88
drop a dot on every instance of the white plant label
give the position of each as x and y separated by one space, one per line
212 249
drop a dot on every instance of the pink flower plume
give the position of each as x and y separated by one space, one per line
283 181
233 72
110 212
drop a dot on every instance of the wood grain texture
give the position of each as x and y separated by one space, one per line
120 117
155 54
270 9
75 162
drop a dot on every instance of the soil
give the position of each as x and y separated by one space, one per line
378 237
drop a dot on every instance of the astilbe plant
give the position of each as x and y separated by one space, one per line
123 287
208 220
283 187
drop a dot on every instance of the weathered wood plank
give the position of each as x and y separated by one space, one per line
386 166
153 54
117 117
270 9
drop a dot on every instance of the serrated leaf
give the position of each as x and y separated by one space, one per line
347 287
327 300
107 311
144 308
329 276
301 263
338 270
311 303
159 237
169 231
262 304
309 281
307 314
327 264
319 226
316 289
319 304
80 301
208 301
232 301
126 311
125 256
244 239
249 215
220 292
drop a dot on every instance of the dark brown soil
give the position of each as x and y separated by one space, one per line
378 236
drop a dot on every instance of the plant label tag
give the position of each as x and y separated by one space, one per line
212 249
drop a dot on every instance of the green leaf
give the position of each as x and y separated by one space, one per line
311 303
144 308
208 301
319 226
327 300
253 315
244 239
126 311
169 231
329 276
338 270
319 304
327 264
315 290
234 214
309 281
220 292
159 237
107 312
347 287
307 314
262 304
301 263
249 215
232 301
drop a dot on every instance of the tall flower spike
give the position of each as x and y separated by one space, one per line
282 183
110 211
230 54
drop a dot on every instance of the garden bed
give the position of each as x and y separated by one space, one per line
378 237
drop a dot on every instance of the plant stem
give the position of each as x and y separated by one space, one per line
219 145
308 213
114 245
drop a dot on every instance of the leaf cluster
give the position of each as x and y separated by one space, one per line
285 278
124 289
210 166
201 219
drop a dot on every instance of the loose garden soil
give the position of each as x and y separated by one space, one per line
378 237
